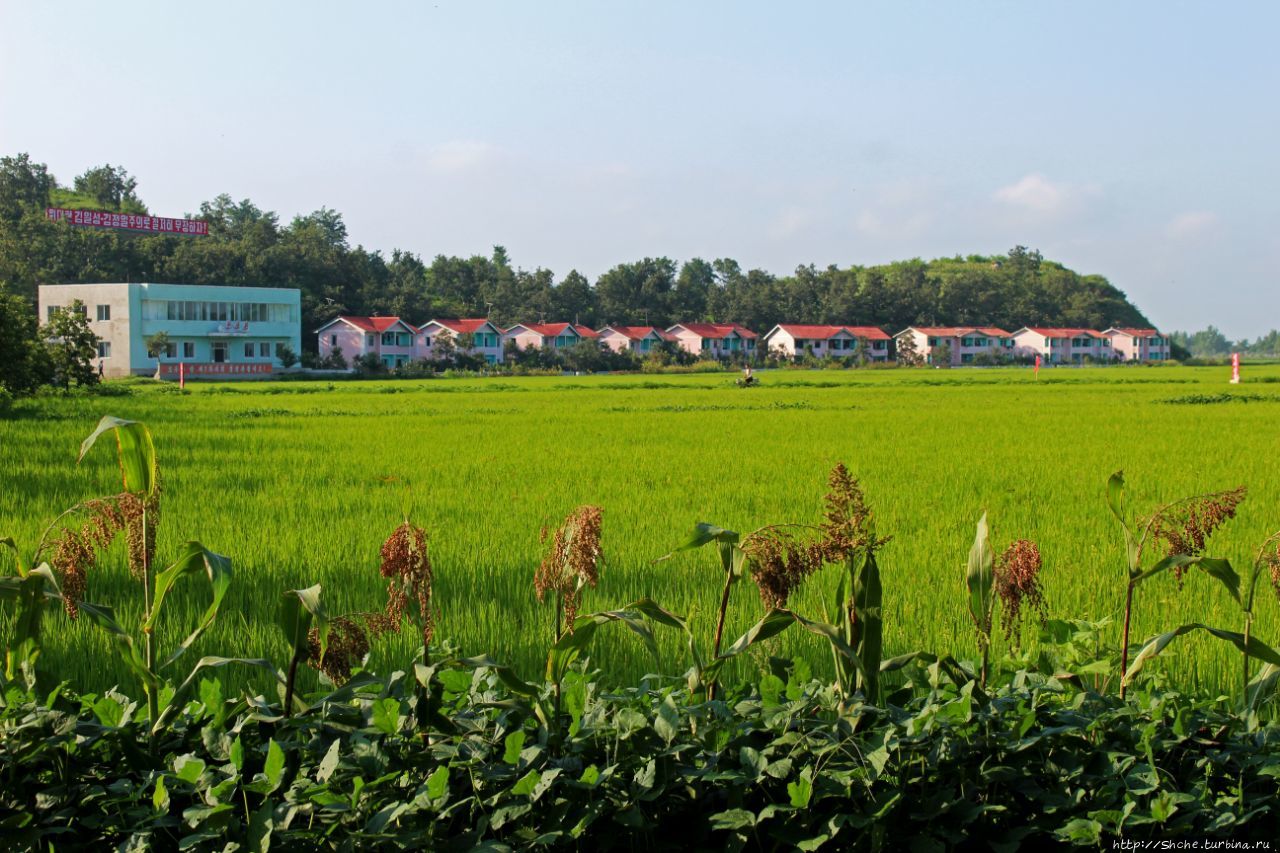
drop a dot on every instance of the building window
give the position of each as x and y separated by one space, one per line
248 350
104 349
50 311
706 343
280 345
388 339
104 313
171 350
264 349
333 340
188 349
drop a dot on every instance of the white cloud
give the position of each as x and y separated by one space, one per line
1035 193
460 155
1192 224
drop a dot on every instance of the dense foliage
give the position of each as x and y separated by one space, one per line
249 246
774 764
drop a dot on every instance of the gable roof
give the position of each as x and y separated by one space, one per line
825 332
635 333
1133 333
369 324
957 331
715 330
553 330
1060 333
465 326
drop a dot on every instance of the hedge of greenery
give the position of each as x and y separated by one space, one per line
778 763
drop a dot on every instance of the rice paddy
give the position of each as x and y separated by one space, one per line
300 482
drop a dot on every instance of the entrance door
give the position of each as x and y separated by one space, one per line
219 353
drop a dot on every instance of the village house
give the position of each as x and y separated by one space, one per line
1138 344
828 341
1062 345
390 338
714 340
965 343
553 335
640 340
483 337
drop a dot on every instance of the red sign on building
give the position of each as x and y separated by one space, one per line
222 368
129 221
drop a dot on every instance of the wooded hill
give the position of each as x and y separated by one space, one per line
249 246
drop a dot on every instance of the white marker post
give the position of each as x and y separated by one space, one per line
1235 368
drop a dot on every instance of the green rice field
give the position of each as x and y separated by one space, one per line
299 482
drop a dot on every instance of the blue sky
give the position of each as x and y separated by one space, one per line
1135 140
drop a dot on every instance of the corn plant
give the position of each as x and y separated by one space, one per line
70 551
1183 526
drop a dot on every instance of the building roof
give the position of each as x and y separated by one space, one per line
825 332
636 333
555 330
1060 333
1133 333
715 330
369 324
957 331
465 326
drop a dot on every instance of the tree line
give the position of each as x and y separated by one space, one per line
312 252
1211 343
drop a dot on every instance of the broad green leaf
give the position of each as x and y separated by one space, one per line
1218 569
160 797
437 782
527 783
195 559
869 645
980 578
273 768
300 609
260 827
135 451
667 722
512 745
185 689
733 819
801 790
1115 501
385 713
188 768
1253 647
575 643
704 533
237 753
329 763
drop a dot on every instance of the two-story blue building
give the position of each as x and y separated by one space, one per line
213 330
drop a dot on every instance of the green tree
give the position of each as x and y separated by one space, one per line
72 346
907 354
24 364
286 355
112 188
157 344
941 355
24 186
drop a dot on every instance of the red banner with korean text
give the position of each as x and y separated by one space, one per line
129 221
195 369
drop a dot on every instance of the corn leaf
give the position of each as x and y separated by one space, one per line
135 452
1253 647
980 578
195 559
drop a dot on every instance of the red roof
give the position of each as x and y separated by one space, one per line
716 330
462 327
959 331
635 333
825 332
373 324
554 330
1135 333
1064 333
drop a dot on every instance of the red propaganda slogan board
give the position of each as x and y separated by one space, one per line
129 221
225 368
